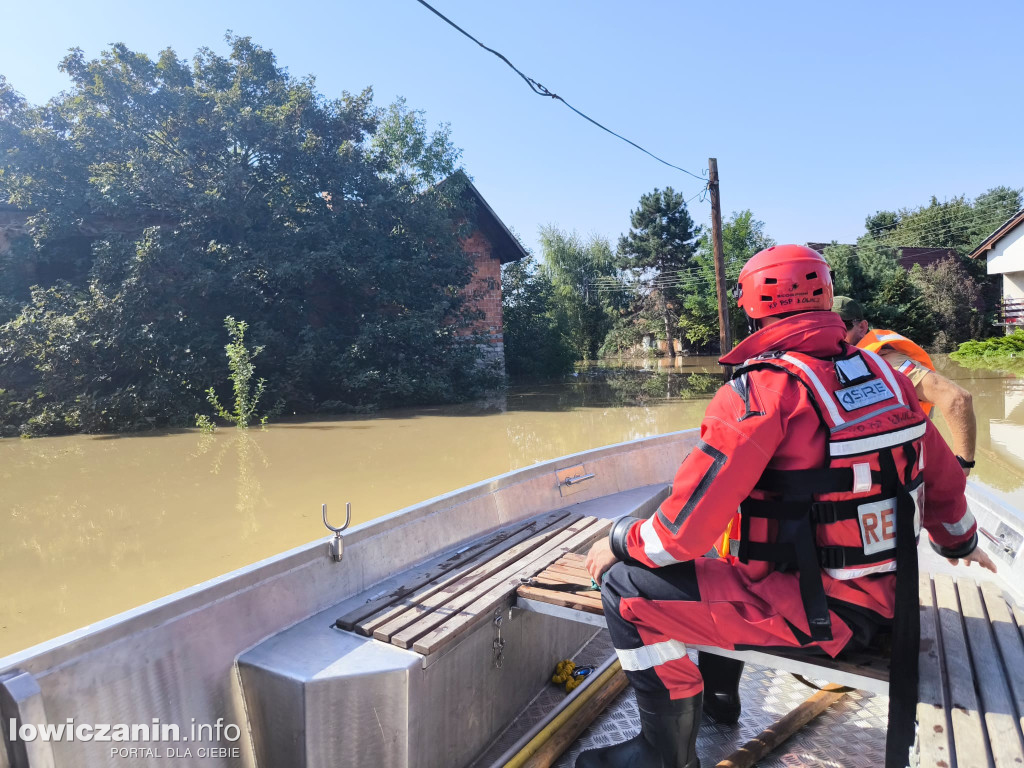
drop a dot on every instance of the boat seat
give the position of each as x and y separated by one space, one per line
433 609
971 691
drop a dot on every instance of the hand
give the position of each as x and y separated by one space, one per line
599 559
967 471
977 556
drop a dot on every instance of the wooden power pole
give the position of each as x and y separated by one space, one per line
725 330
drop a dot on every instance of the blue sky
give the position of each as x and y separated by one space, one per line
819 113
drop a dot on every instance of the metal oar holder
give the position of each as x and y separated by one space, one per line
336 547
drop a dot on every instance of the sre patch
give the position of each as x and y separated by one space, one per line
861 395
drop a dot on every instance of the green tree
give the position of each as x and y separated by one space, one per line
536 336
953 298
742 237
166 194
660 247
578 271
897 304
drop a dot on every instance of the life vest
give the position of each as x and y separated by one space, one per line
878 339
859 514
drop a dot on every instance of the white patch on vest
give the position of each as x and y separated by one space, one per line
861 395
887 372
877 525
875 442
889 337
861 478
853 369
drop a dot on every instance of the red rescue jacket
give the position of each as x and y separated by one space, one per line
768 419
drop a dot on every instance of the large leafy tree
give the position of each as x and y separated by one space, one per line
536 334
578 271
659 248
742 237
165 195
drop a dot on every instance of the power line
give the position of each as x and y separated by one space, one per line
540 90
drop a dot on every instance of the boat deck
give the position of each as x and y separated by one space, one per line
850 734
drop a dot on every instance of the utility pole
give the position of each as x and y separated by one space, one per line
725 330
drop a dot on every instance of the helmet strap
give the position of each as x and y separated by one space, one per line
752 325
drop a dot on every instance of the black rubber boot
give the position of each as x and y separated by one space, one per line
721 687
667 739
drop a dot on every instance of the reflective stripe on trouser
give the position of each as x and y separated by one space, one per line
653 613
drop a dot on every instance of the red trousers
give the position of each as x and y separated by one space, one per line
653 613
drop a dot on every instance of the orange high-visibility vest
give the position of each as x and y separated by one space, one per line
879 339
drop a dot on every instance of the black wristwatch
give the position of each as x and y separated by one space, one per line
965 463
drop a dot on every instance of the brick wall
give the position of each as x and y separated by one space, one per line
484 290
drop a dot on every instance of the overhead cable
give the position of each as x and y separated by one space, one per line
540 90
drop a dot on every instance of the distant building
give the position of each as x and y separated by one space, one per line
907 256
1004 255
489 245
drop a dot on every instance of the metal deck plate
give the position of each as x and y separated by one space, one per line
850 734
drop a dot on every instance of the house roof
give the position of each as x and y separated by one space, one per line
505 245
1003 229
908 255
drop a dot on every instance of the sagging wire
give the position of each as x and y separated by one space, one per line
541 90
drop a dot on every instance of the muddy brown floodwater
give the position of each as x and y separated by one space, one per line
94 525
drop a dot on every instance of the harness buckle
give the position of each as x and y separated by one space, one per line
824 512
832 557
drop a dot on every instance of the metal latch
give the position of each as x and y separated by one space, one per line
570 480
1007 541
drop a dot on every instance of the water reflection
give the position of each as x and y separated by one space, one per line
90 526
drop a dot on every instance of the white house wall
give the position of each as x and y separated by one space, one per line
1013 285
1008 254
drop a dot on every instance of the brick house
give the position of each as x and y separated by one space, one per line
489 244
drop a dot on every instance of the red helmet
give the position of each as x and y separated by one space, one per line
783 279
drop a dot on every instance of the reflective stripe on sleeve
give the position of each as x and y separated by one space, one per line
647 656
653 547
875 442
963 526
823 394
887 372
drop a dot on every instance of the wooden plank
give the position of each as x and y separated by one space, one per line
589 602
989 679
767 740
504 584
385 625
1011 645
968 730
459 562
934 729
457 614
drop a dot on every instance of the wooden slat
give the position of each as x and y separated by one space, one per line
589 602
968 731
934 729
433 598
1011 645
565 571
990 681
457 563
504 584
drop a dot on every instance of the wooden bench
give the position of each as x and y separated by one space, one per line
971 665
437 607
970 708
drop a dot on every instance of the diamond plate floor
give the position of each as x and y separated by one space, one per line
850 734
